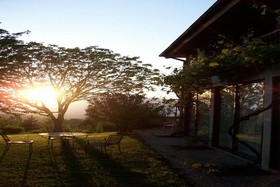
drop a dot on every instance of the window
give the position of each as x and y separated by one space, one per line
237 102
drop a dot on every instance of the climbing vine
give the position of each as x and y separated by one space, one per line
232 64
228 63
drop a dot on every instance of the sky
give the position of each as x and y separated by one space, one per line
129 27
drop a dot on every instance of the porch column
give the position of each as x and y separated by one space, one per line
211 125
267 124
188 105
215 111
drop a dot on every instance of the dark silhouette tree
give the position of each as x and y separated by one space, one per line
124 111
30 123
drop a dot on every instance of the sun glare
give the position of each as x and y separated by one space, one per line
42 95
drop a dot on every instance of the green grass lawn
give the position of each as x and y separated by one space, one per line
65 166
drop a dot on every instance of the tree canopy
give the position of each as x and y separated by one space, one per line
75 74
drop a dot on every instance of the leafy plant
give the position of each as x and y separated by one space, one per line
224 63
233 64
10 124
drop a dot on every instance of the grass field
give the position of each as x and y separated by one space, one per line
138 165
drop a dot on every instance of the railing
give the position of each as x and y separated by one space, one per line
272 37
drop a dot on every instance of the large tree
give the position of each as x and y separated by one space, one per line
75 74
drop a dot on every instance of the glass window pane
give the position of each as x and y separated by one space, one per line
227 113
250 131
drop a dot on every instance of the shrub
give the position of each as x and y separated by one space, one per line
10 124
12 129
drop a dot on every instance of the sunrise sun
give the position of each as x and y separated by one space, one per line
41 95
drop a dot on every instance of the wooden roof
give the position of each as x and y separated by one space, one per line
230 18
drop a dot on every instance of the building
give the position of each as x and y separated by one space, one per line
258 137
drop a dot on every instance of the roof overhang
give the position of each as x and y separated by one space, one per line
224 17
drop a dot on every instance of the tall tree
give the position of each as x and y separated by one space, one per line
75 74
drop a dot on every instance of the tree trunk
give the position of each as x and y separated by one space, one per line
58 124
60 116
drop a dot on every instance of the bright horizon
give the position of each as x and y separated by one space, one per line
129 27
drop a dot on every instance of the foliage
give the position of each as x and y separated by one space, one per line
13 129
230 63
238 63
87 124
224 63
10 124
170 107
74 73
65 166
125 111
9 46
8 120
72 124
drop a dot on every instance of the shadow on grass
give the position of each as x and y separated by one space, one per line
75 171
25 174
26 168
67 168
54 164
112 168
72 167
114 171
